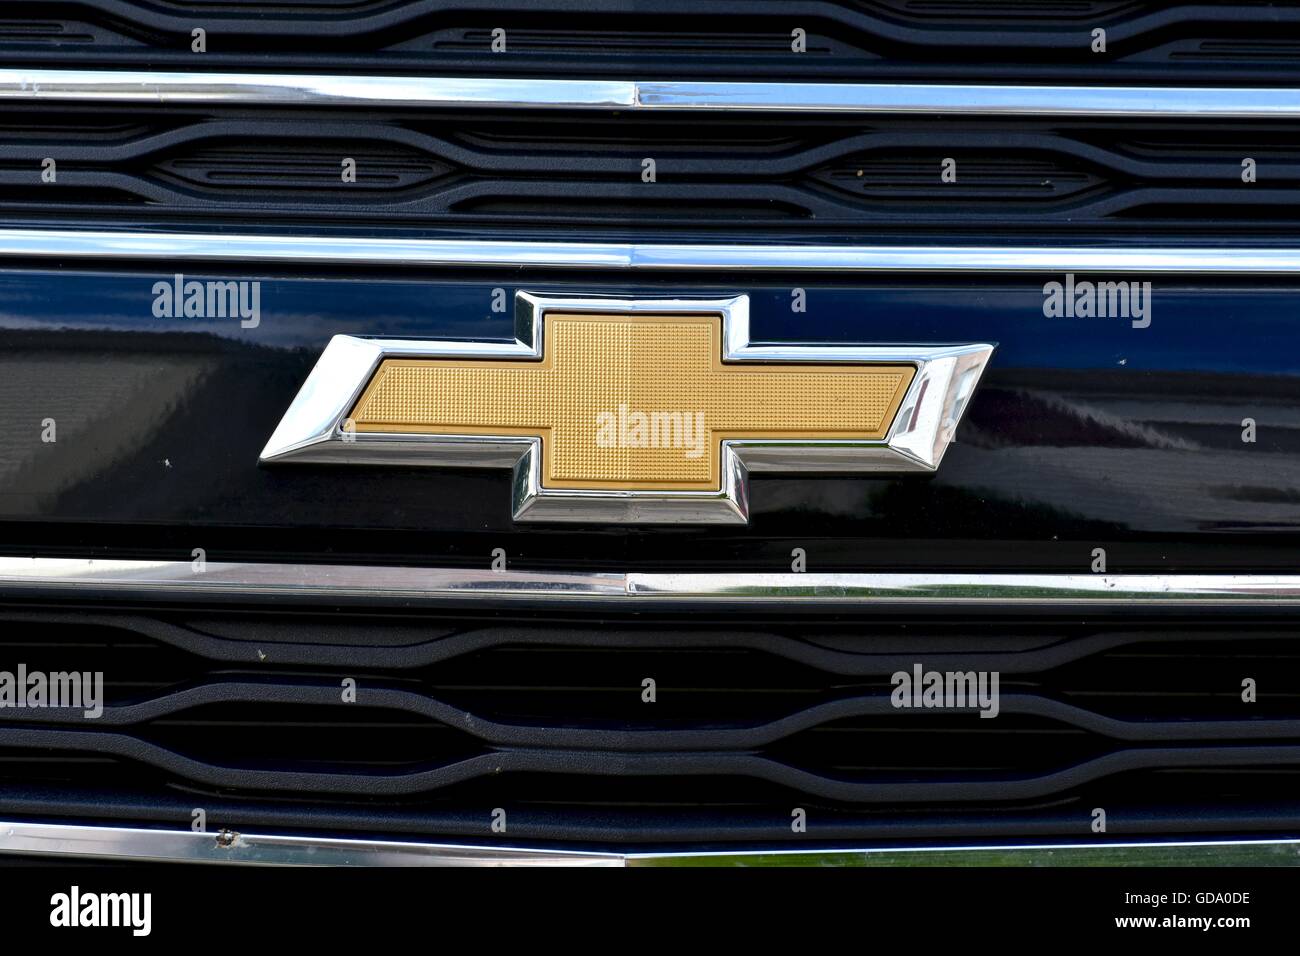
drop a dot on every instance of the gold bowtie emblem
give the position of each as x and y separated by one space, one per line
630 410
632 402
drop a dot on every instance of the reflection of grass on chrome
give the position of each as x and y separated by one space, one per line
1155 854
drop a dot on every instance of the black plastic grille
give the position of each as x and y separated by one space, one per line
744 38
242 715
831 176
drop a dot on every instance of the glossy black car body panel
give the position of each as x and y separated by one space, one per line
1086 432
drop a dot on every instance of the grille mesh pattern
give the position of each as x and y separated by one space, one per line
741 38
548 173
455 717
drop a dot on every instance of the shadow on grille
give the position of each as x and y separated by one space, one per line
245 716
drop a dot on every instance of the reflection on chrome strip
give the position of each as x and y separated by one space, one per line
185 846
968 588
1263 852
375 582
641 256
284 89
55 840
305 579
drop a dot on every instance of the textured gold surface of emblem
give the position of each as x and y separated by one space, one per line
632 402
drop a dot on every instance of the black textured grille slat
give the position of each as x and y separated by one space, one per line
864 177
400 647
455 716
570 734
741 38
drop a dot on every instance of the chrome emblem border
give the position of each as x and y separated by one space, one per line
313 431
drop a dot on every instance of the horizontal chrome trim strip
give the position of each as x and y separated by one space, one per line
971 99
54 840
277 89
1280 852
331 581
641 256
967 588
282 89
186 846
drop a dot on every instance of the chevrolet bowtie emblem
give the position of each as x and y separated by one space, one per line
630 410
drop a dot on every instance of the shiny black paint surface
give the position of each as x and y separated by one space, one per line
1086 432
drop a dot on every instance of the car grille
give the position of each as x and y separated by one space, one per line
241 714
849 178
912 39
237 707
